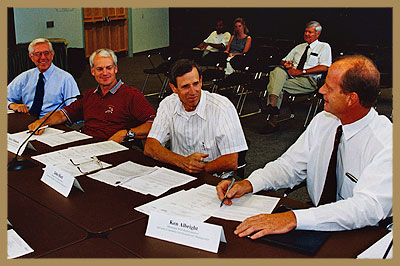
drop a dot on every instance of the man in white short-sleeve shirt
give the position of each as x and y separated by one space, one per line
217 40
304 74
203 128
361 194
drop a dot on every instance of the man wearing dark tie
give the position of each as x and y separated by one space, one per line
39 90
304 64
345 156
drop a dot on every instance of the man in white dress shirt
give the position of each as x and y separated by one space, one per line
304 73
203 128
363 187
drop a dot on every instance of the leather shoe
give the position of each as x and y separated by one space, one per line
270 110
271 126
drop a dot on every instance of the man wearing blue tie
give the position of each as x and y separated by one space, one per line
348 141
39 90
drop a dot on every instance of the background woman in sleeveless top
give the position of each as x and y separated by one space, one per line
239 43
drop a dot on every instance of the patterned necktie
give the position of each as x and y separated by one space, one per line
329 193
38 100
303 58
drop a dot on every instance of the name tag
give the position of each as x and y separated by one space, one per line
314 54
59 180
185 231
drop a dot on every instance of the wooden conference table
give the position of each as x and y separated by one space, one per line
101 222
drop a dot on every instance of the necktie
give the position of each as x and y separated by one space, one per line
303 58
38 100
329 193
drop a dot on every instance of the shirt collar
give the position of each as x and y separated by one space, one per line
48 72
114 89
352 129
314 44
200 108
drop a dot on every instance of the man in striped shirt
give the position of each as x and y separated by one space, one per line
203 128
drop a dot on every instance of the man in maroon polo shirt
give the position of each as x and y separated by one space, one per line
113 110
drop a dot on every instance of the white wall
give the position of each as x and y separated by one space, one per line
150 28
30 23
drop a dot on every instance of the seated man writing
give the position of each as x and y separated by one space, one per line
113 110
203 128
345 155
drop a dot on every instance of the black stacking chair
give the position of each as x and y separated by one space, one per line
214 64
314 97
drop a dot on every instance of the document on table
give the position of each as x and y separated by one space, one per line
202 202
157 182
83 156
121 173
16 246
378 250
15 140
64 138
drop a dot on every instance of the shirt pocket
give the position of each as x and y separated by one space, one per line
313 59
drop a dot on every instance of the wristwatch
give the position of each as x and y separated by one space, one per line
304 71
130 135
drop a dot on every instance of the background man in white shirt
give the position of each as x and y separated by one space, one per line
318 58
363 190
217 40
203 128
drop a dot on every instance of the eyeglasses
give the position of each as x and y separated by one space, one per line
88 167
39 54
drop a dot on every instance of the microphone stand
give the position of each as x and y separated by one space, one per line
18 162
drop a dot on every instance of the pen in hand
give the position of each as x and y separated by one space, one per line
230 186
43 127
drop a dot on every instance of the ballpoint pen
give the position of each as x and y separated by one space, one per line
230 186
43 127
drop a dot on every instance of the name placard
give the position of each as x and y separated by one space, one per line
14 142
185 231
59 180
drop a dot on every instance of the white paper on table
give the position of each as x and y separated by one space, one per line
89 165
16 139
9 111
173 205
121 173
64 138
98 148
157 182
246 206
377 250
16 246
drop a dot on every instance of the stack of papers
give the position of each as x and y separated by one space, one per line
67 137
201 203
81 159
379 249
142 179
16 139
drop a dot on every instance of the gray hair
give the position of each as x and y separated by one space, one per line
313 23
39 40
103 52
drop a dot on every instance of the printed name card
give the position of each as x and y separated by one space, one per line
14 142
59 180
185 231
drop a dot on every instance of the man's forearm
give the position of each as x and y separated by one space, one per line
154 149
227 162
142 130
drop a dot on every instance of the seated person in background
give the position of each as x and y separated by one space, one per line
113 110
356 189
203 127
39 90
217 41
239 43
306 70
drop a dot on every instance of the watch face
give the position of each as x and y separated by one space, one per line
130 134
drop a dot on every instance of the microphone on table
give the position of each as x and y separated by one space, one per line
19 163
